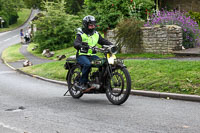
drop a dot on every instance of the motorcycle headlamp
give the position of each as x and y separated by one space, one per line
113 49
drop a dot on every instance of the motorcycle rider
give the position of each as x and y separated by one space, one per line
87 37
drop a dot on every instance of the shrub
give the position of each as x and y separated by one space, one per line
55 30
128 32
13 18
189 26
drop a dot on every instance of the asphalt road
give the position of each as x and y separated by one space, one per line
30 105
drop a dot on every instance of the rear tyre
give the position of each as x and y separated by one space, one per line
119 86
73 77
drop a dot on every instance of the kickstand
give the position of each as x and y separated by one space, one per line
66 93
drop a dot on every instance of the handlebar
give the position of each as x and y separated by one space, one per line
102 50
106 49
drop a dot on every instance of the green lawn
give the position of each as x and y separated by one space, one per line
67 52
144 55
23 16
155 75
52 70
165 75
12 54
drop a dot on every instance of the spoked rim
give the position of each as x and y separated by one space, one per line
74 78
119 86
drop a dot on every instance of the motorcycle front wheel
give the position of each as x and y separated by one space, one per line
73 77
119 86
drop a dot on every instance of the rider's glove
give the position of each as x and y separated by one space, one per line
94 50
84 47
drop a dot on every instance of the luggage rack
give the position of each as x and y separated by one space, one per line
70 62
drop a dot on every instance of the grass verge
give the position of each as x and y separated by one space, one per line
23 16
12 54
52 70
67 52
165 75
145 55
161 75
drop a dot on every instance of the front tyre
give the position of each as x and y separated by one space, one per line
119 86
73 77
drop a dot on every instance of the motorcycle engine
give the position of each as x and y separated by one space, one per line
95 82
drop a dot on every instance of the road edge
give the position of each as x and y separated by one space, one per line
154 94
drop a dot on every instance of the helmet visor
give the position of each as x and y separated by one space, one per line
92 23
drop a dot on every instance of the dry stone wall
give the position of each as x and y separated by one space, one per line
160 40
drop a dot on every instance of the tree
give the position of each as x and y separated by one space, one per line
110 12
33 3
8 10
56 29
73 6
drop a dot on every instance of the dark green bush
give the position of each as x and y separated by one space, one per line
13 17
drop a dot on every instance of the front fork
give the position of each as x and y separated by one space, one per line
110 69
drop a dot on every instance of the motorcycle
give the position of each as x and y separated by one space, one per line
107 75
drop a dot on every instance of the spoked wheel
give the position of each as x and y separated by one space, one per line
119 86
74 76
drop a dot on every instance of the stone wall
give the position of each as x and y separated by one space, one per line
185 5
160 40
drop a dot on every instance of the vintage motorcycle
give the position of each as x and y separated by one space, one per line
107 75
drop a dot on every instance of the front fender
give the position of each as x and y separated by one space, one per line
119 64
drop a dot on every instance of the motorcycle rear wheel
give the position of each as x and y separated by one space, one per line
119 86
73 77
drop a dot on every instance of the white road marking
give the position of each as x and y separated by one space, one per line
15 36
11 128
7 39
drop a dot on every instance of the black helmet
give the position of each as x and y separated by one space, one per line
89 20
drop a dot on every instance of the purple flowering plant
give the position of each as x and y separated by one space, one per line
191 32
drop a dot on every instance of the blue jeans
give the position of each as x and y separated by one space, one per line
85 62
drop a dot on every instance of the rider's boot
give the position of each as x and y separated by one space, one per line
81 86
